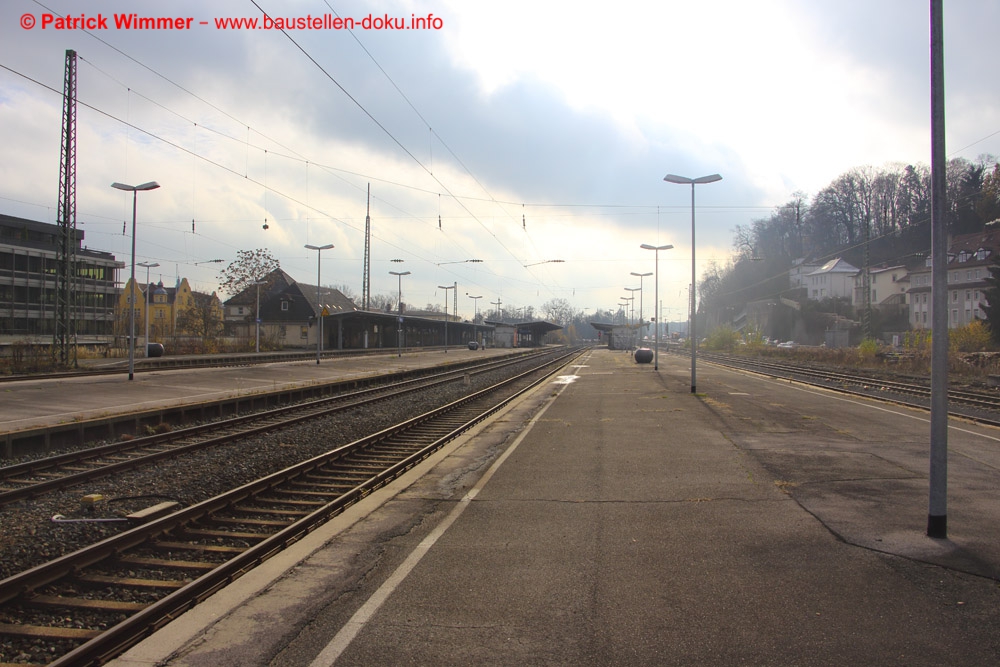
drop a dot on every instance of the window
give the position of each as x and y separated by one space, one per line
239 310
954 316
954 296
968 295
284 306
303 332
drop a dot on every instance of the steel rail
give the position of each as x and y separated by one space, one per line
136 626
195 438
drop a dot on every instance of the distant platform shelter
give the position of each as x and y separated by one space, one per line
520 334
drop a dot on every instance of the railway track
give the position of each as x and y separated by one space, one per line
979 406
88 606
33 478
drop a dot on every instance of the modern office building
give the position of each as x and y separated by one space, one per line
28 274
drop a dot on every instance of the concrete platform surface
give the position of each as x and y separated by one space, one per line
37 403
613 518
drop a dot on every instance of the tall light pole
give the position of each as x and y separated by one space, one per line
633 290
475 301
319 306
684 180
641 276
446 288
399 307
152 185
656 295
147 266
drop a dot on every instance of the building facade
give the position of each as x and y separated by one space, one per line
28 282
166 308
889 287
969 259
833 280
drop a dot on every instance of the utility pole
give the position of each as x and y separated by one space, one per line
366 288
64 345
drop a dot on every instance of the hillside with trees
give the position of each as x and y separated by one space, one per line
867 216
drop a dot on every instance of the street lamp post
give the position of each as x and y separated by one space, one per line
683 180
475 301
147 266
446 288
319 308
633 290
134 189
399 307
656 295
641 276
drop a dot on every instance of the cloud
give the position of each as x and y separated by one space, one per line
568 114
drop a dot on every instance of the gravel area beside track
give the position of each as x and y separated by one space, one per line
29 536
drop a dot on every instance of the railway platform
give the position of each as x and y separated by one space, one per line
39 403
613 518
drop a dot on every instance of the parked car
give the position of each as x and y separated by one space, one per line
473 345
788 345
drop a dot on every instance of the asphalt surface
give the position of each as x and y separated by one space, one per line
613 518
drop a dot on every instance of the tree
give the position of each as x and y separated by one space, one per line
203 319
557 310
988 206
249 267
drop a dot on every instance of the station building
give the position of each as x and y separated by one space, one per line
290 311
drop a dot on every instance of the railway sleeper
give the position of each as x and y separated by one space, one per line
85 603
268 511
193 546
133 582
167 563
337 490
46 632
291 501
243 520
223 534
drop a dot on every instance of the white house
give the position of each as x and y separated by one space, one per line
888 286
835 279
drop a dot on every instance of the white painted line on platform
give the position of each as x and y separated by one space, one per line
356 624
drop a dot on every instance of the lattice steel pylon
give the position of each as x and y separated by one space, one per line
866 286
366 288
64 332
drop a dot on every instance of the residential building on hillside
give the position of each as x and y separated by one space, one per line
969 259
889 286
28 282
800 269
835 279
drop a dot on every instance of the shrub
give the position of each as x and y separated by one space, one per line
973 337
867 350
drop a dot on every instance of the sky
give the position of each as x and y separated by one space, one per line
512 133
